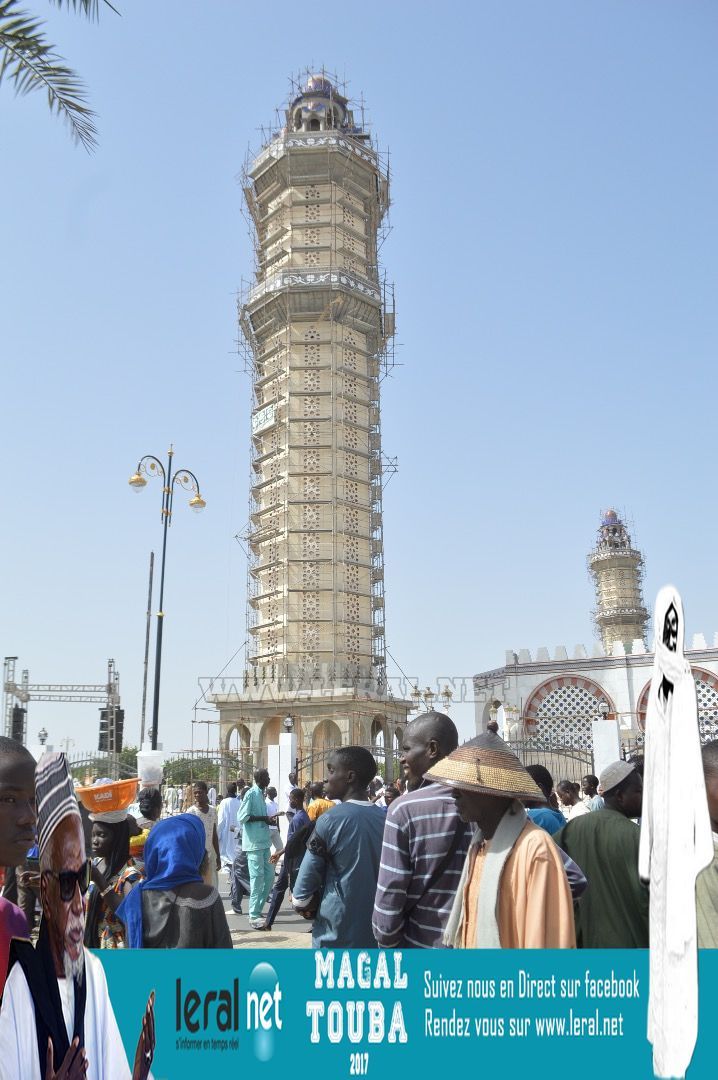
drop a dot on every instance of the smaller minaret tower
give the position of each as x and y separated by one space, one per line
617 571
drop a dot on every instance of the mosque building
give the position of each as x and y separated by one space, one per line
317 324
555 697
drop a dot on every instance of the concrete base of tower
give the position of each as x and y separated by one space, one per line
252 720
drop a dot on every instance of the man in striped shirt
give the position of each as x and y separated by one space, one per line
425 845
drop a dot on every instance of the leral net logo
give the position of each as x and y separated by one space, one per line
215 1019
264 998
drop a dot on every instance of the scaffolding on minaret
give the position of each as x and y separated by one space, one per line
317 338
617 571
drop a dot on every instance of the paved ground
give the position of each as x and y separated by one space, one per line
290 931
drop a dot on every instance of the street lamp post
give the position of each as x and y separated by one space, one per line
288 723
152 466
427 697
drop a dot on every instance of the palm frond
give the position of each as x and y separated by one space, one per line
28 61
91 8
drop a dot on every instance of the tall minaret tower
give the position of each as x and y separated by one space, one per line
316 326
617 571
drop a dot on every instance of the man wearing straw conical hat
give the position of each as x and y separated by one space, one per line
56 1018
513 892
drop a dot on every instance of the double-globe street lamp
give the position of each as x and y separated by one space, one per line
149 465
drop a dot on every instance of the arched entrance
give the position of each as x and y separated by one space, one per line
238 740
378 733
268 736
326 738
379 743
564 707
707 699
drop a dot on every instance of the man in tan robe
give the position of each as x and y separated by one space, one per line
514 893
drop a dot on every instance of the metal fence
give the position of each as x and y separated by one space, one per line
88 767
562 757
214 768
313 764
181 768
634 746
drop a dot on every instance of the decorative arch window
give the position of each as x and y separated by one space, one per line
564 708
707 699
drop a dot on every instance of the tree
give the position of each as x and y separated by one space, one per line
30 62
184 768
128 761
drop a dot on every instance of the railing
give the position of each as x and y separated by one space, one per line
211 767
330 138
566 758
88 767
312 765
634 745
180 768
316 277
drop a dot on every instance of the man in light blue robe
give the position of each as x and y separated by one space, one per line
338 877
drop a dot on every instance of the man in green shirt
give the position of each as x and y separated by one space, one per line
256 843
613 911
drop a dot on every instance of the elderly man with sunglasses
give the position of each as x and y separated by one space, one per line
56 1021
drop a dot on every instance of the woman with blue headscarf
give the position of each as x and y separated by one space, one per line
173 908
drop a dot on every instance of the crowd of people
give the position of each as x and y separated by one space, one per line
468 849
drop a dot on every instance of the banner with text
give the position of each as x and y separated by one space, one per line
364 1012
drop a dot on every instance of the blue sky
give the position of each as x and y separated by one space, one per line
554 239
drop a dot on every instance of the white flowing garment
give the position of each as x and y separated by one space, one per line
18 1036
226 828
676 844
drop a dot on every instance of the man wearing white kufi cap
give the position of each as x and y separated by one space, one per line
613 912
676 842
56 1012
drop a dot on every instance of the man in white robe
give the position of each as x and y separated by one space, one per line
676 842
227 825
56 1014
102 1042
